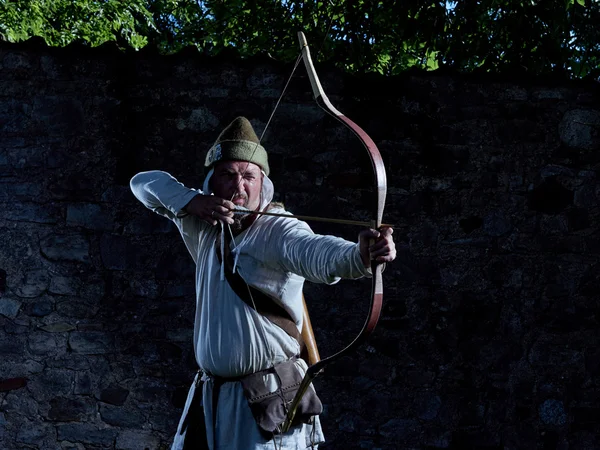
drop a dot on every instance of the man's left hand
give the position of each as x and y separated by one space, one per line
382 251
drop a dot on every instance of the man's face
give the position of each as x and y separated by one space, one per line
238 181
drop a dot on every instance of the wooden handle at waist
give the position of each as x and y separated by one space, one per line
309 337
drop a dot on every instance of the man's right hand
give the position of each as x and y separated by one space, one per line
211 209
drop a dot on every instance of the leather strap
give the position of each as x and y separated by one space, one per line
258 300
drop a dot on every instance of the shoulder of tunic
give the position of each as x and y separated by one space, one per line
281 224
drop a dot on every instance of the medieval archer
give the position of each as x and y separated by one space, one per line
250 270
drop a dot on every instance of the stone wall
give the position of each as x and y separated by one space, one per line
489 336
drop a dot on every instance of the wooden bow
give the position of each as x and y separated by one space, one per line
377 214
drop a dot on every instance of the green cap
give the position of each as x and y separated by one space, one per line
238 142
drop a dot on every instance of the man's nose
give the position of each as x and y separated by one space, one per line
235 180
238 184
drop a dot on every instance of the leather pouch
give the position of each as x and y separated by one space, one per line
270 406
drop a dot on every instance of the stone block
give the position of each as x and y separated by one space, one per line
92 291
87 433
180 335
66 247
77 186
401 430
262 78
136 440
2 282
91 342
230 77
19 191
51 383
17 326
550 94
20 403
33 433
150 224
30 212
586 197
304 114
556 352
115 395
63 285
496 224
162 420
59 114
11 345
41 343
199 120
77 308
174 266
64 409
9 307
552 412
553 170
58 327
118 194
17 369
117 252
42 307
89 215
26 158
580 128
144 288
18 60
83 384
438 440
14 116
584 440
348 423
33 283
120 416
428 406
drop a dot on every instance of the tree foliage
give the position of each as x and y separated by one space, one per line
537 36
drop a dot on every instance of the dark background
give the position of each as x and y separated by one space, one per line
489 335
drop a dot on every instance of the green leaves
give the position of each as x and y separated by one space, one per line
384 36
61 22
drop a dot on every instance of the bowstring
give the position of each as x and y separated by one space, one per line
326 32
276 445
298 59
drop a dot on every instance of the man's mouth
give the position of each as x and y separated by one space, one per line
240 201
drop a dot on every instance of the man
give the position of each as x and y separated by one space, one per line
273 255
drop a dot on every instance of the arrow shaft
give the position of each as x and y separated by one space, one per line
312 218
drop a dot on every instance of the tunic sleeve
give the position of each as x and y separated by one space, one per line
318 258
163 194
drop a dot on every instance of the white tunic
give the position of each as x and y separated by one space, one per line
274 255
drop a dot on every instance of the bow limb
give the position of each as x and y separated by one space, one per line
380 192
